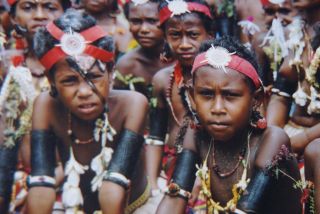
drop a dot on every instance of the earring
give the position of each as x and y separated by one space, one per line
53 92
166 55
257 121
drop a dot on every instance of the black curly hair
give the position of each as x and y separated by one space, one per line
77 21
208 23
233 45
126 7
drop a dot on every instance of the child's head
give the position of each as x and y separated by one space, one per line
78 57
100 6
226 87
29 15
282 9
144 22
186 25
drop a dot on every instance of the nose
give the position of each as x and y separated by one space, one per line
144 28
84 90
185 43
39 13
218 106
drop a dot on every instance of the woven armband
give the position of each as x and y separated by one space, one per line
42 153
126 155
117 178
184 174
158 124
252 200
283 87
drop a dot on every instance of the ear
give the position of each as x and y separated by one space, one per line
258 97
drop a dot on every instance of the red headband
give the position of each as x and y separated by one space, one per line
264 2
179 7
219 57
11 2
73 43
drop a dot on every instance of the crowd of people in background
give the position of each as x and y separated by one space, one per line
160 106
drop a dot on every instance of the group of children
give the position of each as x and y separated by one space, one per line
143 106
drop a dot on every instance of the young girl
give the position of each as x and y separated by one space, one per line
245 166
97 131
186 24
136 68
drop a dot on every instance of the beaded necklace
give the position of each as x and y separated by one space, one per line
71 196
237 190
177 77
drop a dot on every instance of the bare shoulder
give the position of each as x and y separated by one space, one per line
162 77
44 109
275 136
128 99
127 62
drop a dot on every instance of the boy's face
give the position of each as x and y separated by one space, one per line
32 14
75 93
145 25
285 12
184 36
223 101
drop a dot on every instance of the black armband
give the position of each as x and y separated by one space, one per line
8 162
42 158
254 195
158 124
185 173
283 87
125 157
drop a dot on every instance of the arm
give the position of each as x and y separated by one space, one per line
112 194
41 182
178 191
158 123
273 154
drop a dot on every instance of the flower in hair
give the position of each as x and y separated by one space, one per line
72 43
138 2
178 7
218 57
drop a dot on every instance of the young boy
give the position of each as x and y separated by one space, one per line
240 155
136 68
97 131
186 25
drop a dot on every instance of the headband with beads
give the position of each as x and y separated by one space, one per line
74 44
219 57
179 7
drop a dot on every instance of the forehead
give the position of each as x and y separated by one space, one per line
149 9
39 1
210 76
187 20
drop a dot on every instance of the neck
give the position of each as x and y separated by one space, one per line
103 15
153 53
186 73
234 145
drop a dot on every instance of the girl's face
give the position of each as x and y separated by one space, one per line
32 14
285 12
96 5
184 36
75 93
145 25
223 101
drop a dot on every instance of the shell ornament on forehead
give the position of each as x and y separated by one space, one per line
218 57
178 7
139 2
72 43
279 2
